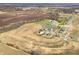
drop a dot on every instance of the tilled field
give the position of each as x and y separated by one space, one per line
23 40
12 17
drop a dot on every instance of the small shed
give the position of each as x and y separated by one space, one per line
76 11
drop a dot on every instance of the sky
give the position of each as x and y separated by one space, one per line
39 1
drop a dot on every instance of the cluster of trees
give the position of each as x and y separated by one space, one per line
67 10
53 16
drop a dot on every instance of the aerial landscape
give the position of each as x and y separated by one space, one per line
39 28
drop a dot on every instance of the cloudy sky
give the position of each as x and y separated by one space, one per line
39 1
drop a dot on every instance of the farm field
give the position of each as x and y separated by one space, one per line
25 39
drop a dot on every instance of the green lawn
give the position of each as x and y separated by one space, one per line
45 22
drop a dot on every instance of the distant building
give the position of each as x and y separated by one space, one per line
76 11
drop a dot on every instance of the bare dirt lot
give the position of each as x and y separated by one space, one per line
25 40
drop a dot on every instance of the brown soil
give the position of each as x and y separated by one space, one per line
25 39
